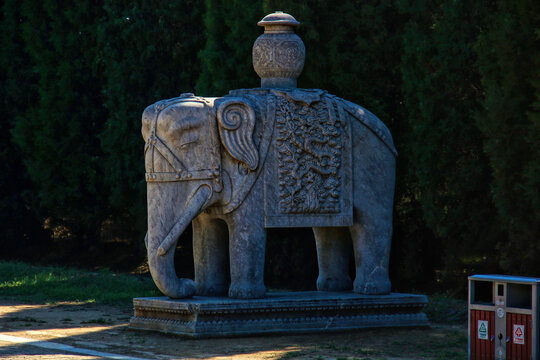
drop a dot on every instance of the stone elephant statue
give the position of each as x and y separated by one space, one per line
260 158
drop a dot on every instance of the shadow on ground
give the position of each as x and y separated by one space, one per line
105 329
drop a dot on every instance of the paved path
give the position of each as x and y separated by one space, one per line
24 348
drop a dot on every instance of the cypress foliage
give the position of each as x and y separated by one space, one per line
58 133
149 52
21 228
509 61
230 27
457 83
441 88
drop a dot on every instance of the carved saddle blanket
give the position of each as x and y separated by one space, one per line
308 173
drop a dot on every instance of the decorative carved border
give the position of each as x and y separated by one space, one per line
200 318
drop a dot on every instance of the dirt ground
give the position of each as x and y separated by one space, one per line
88 331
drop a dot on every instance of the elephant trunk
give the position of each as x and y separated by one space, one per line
161 248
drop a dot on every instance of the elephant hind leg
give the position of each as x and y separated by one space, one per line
210 252
333 256
371 242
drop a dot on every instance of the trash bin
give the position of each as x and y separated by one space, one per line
504 317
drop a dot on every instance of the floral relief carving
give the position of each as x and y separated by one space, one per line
275 57
289 53
262 53
310 143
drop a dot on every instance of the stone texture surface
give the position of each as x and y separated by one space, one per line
278 313
274 156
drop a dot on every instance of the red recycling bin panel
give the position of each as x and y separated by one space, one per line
482 330
519 334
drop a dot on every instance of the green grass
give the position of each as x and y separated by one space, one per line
446 310
54 284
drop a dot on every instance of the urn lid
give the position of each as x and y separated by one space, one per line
278 18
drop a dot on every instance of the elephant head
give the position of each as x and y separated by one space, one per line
186 138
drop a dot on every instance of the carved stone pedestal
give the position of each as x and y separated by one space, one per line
277 313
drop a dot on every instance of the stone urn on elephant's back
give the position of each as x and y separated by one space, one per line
274 156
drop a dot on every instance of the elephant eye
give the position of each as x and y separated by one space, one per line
189 143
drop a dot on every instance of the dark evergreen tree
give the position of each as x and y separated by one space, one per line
21 228
456 82
509 61
149 52
58 133
231 29
442 88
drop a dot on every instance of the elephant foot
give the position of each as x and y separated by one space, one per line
376 283
342 283
246 291
181 289
212 290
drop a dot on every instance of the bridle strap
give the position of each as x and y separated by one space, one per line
181 172
160 147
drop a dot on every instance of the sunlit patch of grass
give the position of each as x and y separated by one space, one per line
53 284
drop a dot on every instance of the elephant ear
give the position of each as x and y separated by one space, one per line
236 120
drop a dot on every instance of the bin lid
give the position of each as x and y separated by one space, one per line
506 278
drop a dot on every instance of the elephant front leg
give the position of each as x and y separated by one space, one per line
371 241
333 255
247 242
210 255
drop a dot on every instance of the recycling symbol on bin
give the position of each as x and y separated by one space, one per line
482 330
